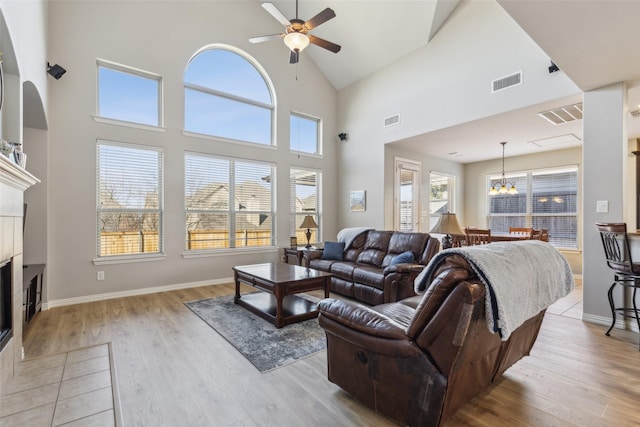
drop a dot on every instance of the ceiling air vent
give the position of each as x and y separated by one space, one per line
392 120
506 82
565 114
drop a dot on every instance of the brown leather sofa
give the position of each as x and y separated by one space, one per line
366 272
419 359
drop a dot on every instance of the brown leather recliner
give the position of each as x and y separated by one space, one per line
418 360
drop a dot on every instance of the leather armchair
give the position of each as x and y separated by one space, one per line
419 359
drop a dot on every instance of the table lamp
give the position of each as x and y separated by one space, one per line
308 222
447 225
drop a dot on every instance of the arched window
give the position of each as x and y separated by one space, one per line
228 95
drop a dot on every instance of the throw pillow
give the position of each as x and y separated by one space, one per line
333 251
404 257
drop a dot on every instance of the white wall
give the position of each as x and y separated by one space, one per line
160 37
604 160
443 84
475 185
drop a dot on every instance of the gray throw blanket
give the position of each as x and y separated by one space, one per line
522 278
348 235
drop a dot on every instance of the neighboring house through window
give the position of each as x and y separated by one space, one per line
227 95
229 203
305 200
129 202
546 199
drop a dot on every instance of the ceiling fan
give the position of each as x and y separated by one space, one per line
296 35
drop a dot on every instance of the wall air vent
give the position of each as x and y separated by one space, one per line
506 82
568 113
392 120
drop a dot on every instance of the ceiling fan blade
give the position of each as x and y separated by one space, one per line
293 57
266 38
335 48
273 10
320 18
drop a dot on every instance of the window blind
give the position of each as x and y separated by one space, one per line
229 203
304 193
129 202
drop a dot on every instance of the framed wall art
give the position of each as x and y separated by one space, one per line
358 201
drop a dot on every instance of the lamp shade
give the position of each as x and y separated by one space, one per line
308 222
447 224
296 41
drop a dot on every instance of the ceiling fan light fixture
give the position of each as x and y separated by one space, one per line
296 41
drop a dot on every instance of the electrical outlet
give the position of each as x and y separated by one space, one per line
100 275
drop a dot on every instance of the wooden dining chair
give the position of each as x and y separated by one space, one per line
540 234
477 236
522 231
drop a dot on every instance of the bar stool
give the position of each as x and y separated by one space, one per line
626 272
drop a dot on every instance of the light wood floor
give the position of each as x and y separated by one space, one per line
173 370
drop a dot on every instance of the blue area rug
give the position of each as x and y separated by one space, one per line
264 345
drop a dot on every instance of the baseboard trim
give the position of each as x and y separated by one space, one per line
133 292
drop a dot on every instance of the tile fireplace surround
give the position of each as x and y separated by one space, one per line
13 182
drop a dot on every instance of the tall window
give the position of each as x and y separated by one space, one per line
226 96
229 203
129 202
441 196
128 94
304 134
546 199
305 200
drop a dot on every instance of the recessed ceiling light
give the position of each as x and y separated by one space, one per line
454 154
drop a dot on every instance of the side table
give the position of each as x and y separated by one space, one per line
297 252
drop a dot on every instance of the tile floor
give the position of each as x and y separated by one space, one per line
70 389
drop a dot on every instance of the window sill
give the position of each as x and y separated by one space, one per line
227 252
227 140
124 123
126 259
305 154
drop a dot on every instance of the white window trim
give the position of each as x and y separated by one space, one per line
319 197
267 80
195 253
528 213
137 72
130 258
319 136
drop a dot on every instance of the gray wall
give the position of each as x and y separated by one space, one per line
161 38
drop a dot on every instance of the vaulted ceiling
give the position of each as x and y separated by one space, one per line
594 43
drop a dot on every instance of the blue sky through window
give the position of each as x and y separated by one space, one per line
222 111
128 97
303 134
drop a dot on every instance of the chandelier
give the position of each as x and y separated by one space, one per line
502 186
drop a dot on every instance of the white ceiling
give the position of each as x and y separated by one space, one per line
594 42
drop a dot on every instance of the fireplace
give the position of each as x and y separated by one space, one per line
6 331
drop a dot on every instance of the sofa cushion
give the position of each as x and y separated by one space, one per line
333 251
370 275
404 257
375 248
343 269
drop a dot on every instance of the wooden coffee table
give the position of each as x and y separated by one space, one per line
280 282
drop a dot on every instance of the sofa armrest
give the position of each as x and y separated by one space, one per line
309 255
410 269
362 319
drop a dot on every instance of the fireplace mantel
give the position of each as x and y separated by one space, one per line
15 176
